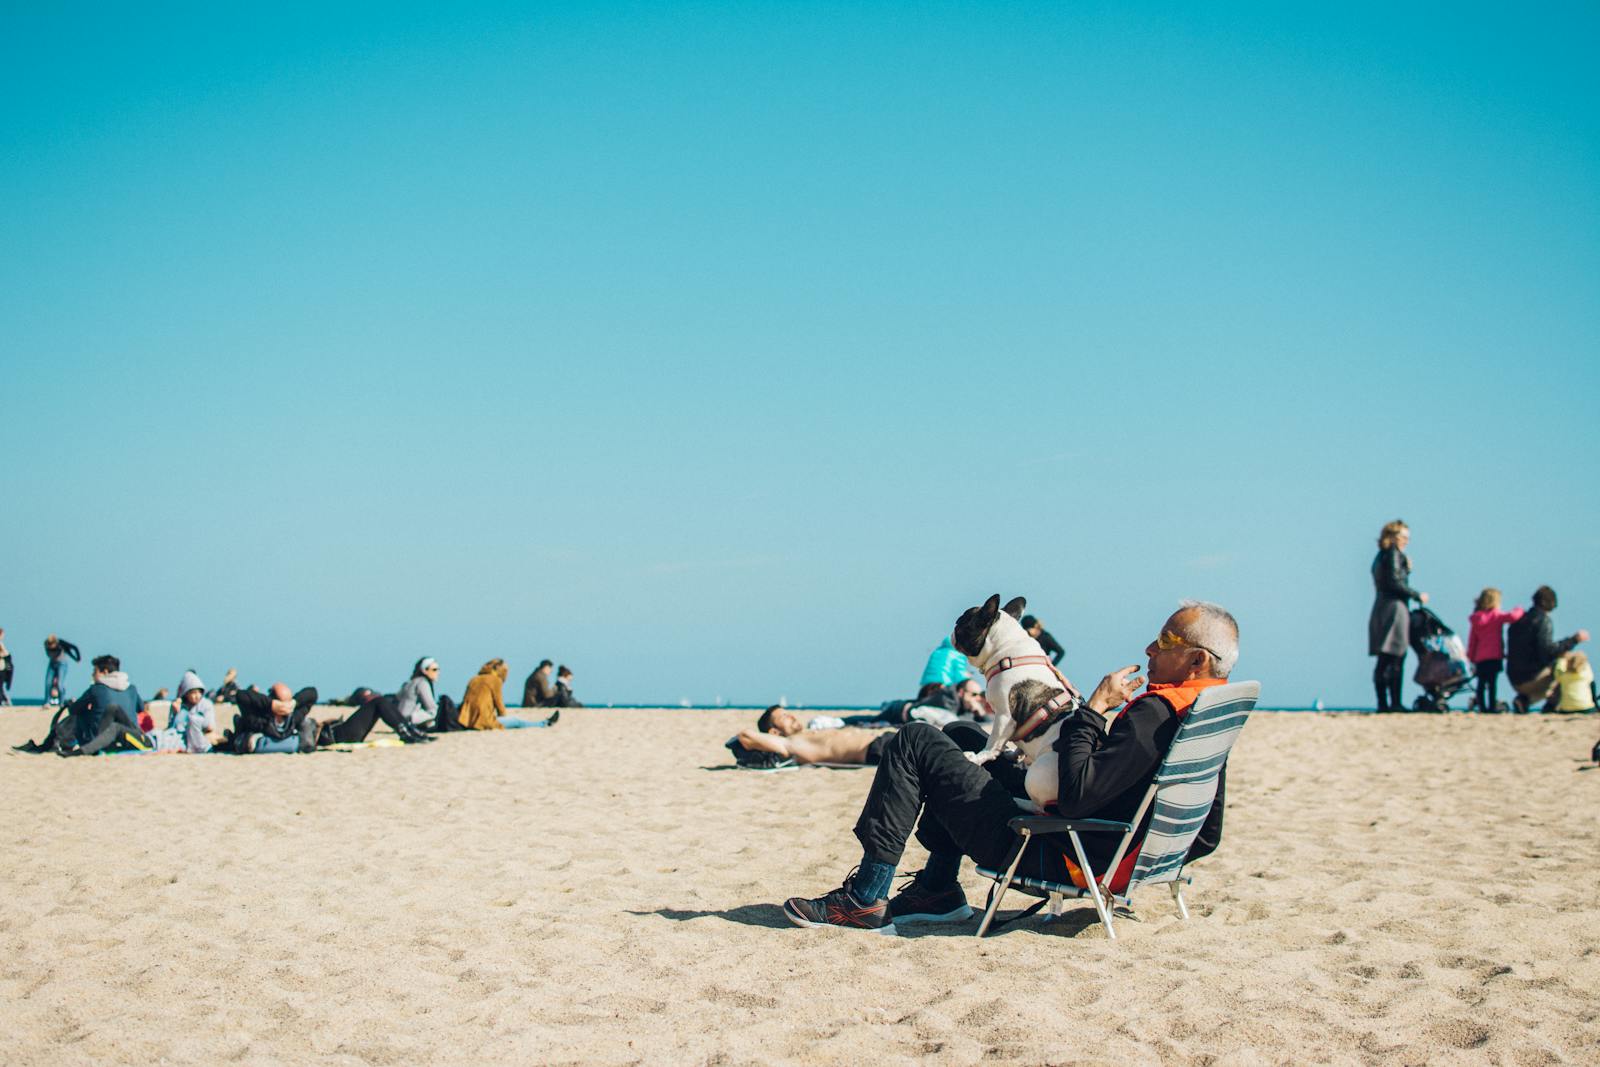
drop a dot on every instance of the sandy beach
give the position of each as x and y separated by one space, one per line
1403 889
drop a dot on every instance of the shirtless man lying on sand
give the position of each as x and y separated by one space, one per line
780 730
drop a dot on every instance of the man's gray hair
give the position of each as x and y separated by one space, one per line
1216 630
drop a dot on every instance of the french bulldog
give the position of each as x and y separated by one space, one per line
1028 695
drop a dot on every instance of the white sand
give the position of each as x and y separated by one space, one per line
1402 889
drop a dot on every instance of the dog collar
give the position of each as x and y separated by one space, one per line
1003 665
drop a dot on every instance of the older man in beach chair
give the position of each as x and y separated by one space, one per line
781 732
924 780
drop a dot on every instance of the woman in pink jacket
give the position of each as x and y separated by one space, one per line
1486 646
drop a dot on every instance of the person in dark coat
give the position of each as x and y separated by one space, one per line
1052 648
1532 651
1389 626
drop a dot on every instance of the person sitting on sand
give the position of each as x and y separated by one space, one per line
780 730
1532 651
191 721
275 721
483 707
228 691
1575 678
417 703
945 666
924 780
106 716
564 697
537 690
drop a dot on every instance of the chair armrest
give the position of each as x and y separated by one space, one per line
1046 824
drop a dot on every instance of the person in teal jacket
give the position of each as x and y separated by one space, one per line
945 666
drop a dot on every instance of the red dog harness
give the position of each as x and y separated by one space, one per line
1062 702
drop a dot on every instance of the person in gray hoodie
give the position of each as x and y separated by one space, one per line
191 721
107 714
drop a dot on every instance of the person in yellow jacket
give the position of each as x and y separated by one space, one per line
1575 679
484 705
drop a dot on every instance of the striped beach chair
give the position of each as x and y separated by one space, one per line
1182 793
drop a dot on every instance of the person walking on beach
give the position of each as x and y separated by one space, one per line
56 653
6 670
1389 625
1532 652
1486 646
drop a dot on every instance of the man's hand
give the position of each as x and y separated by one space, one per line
1422 598
1115 689
1582 636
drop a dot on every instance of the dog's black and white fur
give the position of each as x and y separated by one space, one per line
1029 696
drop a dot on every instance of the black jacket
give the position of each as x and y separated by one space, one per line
65 649
1531 646
1051 646
255 717
1106 773
1391 574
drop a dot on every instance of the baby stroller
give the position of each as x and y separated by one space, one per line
1442 667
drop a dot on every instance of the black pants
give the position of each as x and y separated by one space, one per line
925 781
1488 672
117 724
360 722
1386 678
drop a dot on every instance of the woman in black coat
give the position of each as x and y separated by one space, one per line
1389 626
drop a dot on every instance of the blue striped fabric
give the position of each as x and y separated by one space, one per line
1186 784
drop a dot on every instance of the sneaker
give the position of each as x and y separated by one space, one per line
918 904
839 908
555 717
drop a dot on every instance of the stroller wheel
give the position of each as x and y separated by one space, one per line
1422 703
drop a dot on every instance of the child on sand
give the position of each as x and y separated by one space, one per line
191 721
1486 645
1576 680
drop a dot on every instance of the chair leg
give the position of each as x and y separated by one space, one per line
1005 883
1094 889
1177 896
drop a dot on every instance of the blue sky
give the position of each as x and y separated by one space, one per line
731 350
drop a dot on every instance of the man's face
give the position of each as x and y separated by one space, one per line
1179 661
1036 629
785 724
971 699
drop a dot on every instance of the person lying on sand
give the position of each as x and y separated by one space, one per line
278 721
779 730
960 808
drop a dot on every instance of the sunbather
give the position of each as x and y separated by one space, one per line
780 730
959 808
277 721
